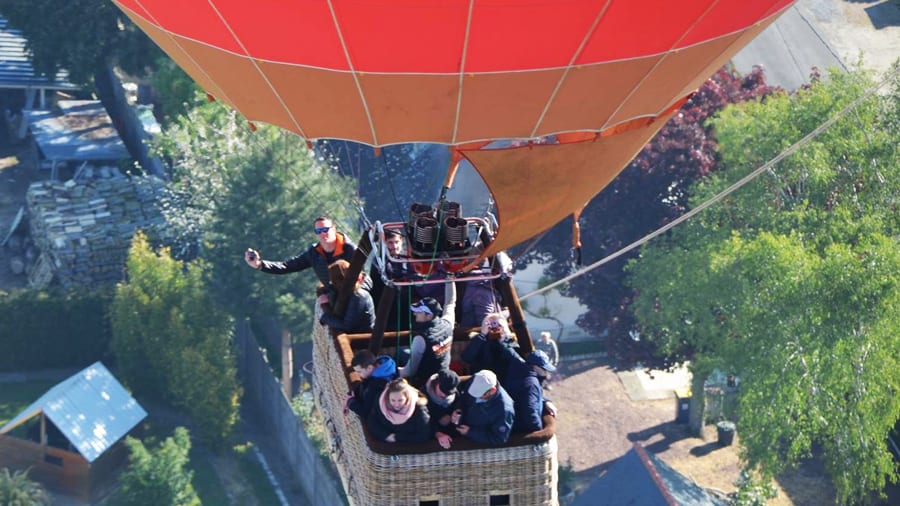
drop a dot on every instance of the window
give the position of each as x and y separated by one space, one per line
499 500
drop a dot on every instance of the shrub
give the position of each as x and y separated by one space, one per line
173 342
17 490
45 329
159 476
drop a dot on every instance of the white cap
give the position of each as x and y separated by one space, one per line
482 381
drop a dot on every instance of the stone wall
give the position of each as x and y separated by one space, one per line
83 229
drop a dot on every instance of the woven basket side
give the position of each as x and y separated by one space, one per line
526 473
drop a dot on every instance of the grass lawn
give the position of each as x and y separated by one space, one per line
233 476
206 481
15 397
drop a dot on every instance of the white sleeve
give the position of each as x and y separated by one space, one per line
450 303
416 351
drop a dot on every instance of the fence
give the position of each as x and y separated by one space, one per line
263 391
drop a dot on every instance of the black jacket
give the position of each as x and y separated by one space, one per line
315 257
359 317
414 430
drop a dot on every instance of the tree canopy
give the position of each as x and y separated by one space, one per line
80 36
261 189
793 282
173 342
650 192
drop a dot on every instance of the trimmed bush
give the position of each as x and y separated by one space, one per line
54 328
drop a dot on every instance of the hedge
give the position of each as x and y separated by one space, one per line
52 329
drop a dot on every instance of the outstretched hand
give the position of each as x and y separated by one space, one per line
251 256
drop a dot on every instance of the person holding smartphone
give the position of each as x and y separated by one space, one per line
332 245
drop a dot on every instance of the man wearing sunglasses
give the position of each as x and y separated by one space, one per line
332 245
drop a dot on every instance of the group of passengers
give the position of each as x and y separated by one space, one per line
502 395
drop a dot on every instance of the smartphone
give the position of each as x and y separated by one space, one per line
251 255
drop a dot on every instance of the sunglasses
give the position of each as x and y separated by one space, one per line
322 230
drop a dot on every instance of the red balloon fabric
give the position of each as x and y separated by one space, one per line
463 72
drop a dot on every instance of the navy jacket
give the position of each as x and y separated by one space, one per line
491 421
524 387
359 317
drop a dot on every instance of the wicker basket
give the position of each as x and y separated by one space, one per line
381 474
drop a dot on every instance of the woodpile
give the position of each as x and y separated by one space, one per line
84 229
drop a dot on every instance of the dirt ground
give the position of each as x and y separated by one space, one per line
598 423
16 175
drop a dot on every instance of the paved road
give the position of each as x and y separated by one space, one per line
825 34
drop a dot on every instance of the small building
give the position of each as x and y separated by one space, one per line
71 436
642 478
20 86
77 132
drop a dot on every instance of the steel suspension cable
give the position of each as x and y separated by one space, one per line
724 193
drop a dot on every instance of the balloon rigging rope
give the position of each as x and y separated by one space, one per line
724 193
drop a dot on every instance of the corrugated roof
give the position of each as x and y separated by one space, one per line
80 130
91 408
16 70
642 478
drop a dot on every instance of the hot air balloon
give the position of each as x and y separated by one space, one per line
579 85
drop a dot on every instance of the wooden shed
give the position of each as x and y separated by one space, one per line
71 436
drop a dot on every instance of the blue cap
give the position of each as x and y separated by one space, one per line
540 359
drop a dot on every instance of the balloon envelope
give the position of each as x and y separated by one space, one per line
461 71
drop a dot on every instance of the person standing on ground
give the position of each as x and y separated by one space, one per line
548 346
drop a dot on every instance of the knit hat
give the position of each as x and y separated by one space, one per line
447 380
482 381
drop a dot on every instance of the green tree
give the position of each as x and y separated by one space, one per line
259 189
158 476
650 192
793 282
17 490
176 92
81 36
173 342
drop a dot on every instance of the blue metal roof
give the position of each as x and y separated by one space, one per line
16 70
91 408
80 130
641 478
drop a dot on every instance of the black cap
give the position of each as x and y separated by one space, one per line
428 305
447 380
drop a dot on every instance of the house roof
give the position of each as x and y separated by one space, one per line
16 70
79 130
642 478
91 409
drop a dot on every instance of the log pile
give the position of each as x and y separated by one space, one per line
85 228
